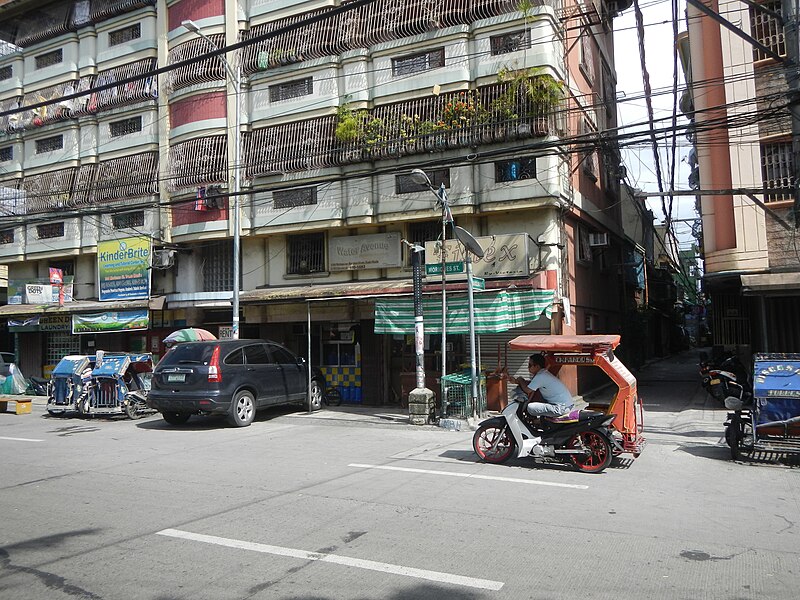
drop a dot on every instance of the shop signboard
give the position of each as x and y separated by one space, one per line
38 293
505 255
357 252
111 321
49 323
123 268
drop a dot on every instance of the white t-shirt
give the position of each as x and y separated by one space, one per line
552 388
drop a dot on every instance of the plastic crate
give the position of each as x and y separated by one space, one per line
457 391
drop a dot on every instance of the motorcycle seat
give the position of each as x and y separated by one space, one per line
574 416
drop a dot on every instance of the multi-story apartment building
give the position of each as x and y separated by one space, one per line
743 136
119 139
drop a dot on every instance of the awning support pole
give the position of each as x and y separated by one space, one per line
308 340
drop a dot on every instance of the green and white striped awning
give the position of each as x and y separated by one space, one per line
495 312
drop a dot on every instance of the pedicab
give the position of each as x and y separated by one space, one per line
596 351
119 385
768 424
70 384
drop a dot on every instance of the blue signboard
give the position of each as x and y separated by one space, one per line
776 386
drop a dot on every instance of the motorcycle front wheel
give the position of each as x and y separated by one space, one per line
598 451
493 443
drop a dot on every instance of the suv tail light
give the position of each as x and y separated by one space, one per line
214 374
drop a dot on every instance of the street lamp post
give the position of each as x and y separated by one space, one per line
421 178
236 82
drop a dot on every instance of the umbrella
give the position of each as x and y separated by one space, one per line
190 334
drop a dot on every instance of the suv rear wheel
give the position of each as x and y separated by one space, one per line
243 409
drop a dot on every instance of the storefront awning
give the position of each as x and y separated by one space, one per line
774 284
495 312
79 306
333 291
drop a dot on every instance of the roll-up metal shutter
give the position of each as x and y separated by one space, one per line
517 360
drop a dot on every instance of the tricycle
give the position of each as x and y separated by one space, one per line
70 383
768 424
620 422
120 383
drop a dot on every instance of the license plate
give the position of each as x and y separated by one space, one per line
176 377
715 382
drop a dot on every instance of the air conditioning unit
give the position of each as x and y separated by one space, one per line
598 240
590 323
163 259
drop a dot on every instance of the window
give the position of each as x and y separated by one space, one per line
586 59
584 250
50 230
6 154
777 168
235 358
419 233
589 161
125 126
126 34
281 355
217 266
766 29
404 184
49 144
510 42
515 170
305 254
6 72
48 59
414 63
7 236
292 198
128 220
256 354
291 89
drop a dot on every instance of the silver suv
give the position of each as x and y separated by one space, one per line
230 377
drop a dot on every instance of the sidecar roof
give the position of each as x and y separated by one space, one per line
564 343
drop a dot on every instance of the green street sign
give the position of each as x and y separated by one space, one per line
451 267
478 283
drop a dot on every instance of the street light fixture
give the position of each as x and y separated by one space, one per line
236 82
419 177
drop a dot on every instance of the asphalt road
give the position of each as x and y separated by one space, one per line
349 504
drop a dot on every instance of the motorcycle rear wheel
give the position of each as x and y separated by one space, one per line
599 451
493 443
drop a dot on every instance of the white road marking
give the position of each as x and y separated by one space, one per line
19 439
472 476
370 565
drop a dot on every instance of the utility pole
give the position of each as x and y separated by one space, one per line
790 11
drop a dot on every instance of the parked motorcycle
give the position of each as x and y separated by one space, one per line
37 386
581 438
725 378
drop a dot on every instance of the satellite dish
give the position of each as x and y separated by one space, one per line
469 241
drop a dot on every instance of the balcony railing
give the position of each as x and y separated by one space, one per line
198 161
206 70
377 22
490 115
132 92
50 113
125 178
49 191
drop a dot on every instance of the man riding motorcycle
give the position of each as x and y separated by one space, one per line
557 398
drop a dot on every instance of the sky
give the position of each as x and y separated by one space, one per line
632 109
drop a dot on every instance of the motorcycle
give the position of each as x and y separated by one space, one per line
581 437
725 379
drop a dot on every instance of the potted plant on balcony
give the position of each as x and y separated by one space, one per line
351 131
529 98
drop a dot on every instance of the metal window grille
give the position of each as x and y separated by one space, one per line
128 220
515 170
49 190
7 236
510 42
586 56
6 72
49 144
48 59
414 63
404 184
218 266
766 29
61 344
777 168
50 230
584 249
125 126
292 198
6 154
291 89
421 232
305 254
125 34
